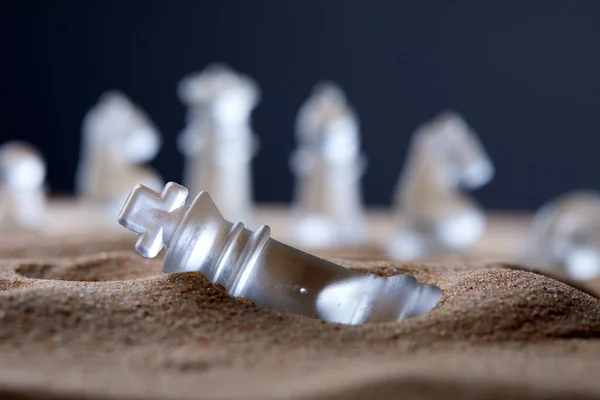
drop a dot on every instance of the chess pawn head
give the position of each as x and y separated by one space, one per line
327 125
434 215
565 236
221 94
21 167
22 176
328 166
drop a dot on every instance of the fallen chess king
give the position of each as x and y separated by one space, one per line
252 265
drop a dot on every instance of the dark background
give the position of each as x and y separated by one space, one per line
525 75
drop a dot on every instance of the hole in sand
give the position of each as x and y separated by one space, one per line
93 269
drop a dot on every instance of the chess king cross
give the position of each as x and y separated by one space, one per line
145 213
252 265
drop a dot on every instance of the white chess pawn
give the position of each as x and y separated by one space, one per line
565 236
328 208
218 141
117 137
22 194
434 216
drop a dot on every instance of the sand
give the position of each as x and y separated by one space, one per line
84 318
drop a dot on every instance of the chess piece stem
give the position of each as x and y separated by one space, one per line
253 265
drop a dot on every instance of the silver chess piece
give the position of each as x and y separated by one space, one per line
22 193
218 141
268 272
328 165
117 138
433 215
565 236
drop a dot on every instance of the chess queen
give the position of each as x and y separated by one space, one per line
328 165
218 141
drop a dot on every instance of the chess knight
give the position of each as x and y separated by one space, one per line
117 138
328 166
218 141
433 215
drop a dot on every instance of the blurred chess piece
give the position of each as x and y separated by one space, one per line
22 194
117 138
565 236
434 216
218 141
328 208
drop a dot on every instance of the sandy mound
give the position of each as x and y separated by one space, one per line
112 325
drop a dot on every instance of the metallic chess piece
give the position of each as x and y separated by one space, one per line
328 165
434 216
218 141
565 236
22 194
252 265
117 138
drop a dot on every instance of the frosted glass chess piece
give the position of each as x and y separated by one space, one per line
328 165
117 139
433 215
565 236
268 272
22 193
218 141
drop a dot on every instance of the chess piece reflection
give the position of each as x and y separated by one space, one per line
117 138
565 236
434 216
218 141
328 165
22 194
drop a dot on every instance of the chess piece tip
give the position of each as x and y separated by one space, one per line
215 81
449 115
114 96
330 91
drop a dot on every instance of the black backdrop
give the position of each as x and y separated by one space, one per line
525 74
